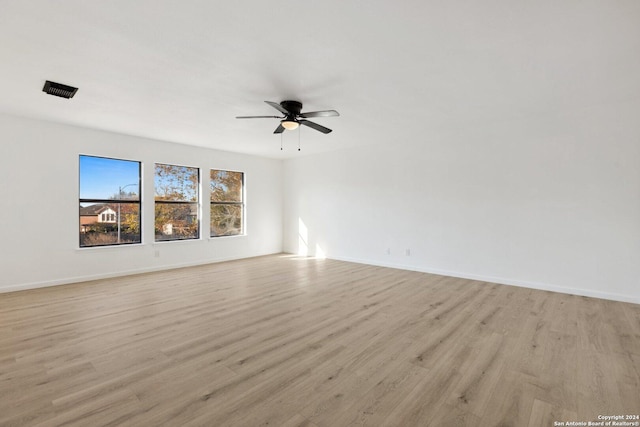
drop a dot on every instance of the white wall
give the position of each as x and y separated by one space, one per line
39 167
550 202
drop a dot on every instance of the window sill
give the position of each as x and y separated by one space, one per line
235 236
164 242
104 247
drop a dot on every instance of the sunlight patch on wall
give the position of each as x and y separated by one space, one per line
320 253
303 238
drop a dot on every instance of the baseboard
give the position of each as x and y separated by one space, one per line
77 279
499 280
462 275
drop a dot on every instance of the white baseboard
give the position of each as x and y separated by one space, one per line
87 278
499 280
462 275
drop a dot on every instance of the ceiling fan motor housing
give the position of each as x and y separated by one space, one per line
294 107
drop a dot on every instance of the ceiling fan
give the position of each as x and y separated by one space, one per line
293 117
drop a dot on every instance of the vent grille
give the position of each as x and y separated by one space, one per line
58 89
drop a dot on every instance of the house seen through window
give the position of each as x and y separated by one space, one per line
109 201
176 202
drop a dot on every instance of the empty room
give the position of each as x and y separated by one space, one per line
315 214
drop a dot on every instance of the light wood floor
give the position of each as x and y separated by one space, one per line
287 341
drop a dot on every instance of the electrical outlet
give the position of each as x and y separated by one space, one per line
157 254
407 252
388 251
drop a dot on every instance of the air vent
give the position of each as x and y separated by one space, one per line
58 89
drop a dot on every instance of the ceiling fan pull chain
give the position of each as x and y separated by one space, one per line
280 142
299 130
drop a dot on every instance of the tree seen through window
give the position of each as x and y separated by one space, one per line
227 203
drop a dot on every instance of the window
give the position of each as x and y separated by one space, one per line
109 201
176 202
227 203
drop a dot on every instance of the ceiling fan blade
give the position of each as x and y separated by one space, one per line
315 126
258 117
279 129
277 107
326 113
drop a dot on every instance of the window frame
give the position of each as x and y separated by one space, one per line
110 203
179 202
241 204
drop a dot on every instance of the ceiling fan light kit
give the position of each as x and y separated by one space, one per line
289 124
294 117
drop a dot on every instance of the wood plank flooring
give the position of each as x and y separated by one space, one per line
288 341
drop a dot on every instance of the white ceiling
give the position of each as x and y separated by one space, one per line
182 70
